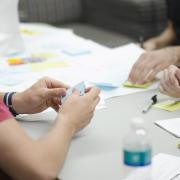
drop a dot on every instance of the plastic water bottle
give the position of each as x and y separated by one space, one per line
10 39
137 152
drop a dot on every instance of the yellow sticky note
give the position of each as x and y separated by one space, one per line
178 146
130 85
29 32
44 55
169 105
47 65
14 61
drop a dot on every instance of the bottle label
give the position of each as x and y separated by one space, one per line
142 158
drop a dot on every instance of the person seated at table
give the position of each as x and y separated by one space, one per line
171 35
25 158
157 59
170 83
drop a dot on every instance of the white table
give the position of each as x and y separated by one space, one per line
96 155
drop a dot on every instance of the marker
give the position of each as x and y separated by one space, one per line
152 102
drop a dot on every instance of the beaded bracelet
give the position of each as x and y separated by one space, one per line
8 102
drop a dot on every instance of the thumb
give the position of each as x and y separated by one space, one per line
75 92
56 92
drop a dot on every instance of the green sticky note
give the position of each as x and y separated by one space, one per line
47 65
130 85
169 105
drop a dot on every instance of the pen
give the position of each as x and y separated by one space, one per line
141 41
149 105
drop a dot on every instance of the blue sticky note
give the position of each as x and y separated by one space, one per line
80 87
76 51
105 86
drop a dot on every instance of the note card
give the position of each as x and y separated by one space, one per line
170 105
130 85
170 125
80 87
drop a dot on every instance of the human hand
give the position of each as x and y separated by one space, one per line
150 63
78 110
151 44
43 94
169 84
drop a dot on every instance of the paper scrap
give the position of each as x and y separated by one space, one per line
130 85
169 105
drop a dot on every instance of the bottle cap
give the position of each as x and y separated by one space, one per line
137 122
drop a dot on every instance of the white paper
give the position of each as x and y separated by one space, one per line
170 125
165 167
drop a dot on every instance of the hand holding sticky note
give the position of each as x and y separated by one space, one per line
130 85
79 87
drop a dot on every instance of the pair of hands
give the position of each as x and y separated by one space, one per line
76 111
152 62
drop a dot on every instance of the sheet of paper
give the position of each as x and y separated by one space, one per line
109 166
170 125
165 167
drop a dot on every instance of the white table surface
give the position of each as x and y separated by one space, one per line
95 154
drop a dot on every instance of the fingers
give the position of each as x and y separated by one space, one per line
56 92
93 93
141 70
96 102
88 89
174 74
52 83
169 84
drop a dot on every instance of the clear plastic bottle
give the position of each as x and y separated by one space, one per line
137 152
10 39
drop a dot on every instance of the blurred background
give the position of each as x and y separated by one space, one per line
109 22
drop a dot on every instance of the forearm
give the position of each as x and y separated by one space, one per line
57 143
168 32
40 159
176 54
1 95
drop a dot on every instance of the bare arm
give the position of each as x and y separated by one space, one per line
24 158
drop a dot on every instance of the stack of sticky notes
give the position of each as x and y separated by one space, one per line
130 85
15 61
169 105
18 61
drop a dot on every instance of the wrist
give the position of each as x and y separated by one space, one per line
18 103
7 99
66 125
